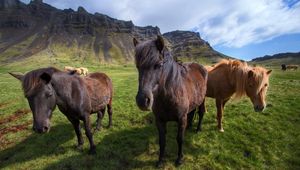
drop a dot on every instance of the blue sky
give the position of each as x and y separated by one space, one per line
239 28
284 43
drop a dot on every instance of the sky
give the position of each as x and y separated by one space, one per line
242 29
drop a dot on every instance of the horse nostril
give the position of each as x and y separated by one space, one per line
147 101
45 129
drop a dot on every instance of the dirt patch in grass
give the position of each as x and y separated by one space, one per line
3 104
17 114
12 129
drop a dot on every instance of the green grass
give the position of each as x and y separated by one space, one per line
268 140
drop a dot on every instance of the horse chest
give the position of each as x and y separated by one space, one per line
169 110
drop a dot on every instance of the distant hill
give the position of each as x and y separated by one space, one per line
39 29
278 59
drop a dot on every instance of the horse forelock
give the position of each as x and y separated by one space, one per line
260 76
32 80
147 54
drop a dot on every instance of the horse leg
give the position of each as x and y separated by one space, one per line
110 112
100 115
180 135
76 125
161 126
219 104
89 134
201 111
190 119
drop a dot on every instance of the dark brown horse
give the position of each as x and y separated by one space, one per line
76 98
169 88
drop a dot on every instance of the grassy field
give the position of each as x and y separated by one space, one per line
268 140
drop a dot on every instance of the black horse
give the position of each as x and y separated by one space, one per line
171 89
283 67
76 97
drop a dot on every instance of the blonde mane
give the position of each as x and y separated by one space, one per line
259 76
238 72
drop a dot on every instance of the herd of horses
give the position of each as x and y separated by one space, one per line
173 90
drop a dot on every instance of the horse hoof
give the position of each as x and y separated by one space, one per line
92 152
178 162
221 130
79 147
198 130
159 164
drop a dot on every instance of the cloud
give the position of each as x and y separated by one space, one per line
251 21
233 23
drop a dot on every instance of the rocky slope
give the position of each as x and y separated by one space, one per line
27 30
190 45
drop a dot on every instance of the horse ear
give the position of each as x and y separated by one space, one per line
269 72
160 43
250 74
46 77
17 76
135 42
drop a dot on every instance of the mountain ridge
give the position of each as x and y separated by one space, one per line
28 29
278 59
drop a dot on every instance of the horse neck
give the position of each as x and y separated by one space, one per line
58 83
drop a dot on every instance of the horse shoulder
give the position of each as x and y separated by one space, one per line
219 83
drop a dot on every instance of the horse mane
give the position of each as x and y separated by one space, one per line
172 74
238 72
32 79
259 74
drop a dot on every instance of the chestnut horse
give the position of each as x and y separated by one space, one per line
233 77
76 98
169 88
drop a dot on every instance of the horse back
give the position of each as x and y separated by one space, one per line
100 90
196 81
220 83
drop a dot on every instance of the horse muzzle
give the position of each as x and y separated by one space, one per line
144 100
41 129
259 108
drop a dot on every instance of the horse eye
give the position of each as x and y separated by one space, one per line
48 94
157 66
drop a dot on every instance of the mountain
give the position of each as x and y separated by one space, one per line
39 29
278 59
187 44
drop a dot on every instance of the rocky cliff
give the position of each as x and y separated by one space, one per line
28 29
190 45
